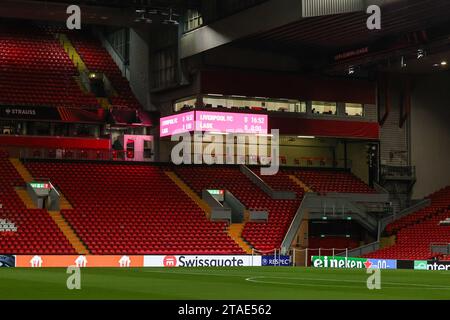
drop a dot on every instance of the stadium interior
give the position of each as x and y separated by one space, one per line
86 119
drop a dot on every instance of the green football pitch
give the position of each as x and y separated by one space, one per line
222 284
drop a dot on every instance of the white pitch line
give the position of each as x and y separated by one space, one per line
398 285
249 278
298 284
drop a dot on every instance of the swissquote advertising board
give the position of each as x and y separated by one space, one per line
125 261
202 261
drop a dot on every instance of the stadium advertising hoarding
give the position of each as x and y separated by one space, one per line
279 261
432 265
125 261
29 113
7 261
209 121
352 263
64 261
420 264
46 113
383 264
201 261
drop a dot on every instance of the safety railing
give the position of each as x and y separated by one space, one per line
80 154
398 171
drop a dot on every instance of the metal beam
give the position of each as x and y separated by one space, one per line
34 10
264 17
316 8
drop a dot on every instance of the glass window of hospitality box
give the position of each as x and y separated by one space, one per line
322 107
354 109
188 103
256 104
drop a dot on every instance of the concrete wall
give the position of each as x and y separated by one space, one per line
246 58
356 158
139 66
357 152
394 139
430 133
302 236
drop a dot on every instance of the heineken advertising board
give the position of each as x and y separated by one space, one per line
352 263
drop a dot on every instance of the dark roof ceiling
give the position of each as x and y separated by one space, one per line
103 12
347 30
131 3
325 37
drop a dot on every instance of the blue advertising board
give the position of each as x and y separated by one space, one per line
279 261
382 264
7 261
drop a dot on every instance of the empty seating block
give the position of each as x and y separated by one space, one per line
133 209
324 181
36 71
36 231
416 232
261 235
97 59
280 181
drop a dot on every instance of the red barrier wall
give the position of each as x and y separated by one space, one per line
54 142
325 128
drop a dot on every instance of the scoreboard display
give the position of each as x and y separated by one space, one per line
231 122
178 123
210 121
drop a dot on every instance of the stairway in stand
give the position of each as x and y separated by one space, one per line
26 199
73 54
235 232
68 232
300 183
64 204
26 176
81 66
104 103
186 189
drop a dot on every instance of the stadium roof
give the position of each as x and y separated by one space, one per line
129 3
322 38
106 12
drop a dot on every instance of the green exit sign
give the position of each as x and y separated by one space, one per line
40 185
216 192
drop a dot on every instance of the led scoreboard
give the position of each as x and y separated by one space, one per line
179 123
230 122
210 121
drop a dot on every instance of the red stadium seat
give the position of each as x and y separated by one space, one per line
417 231
133 209
36 71
97 59
37 233
261 235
